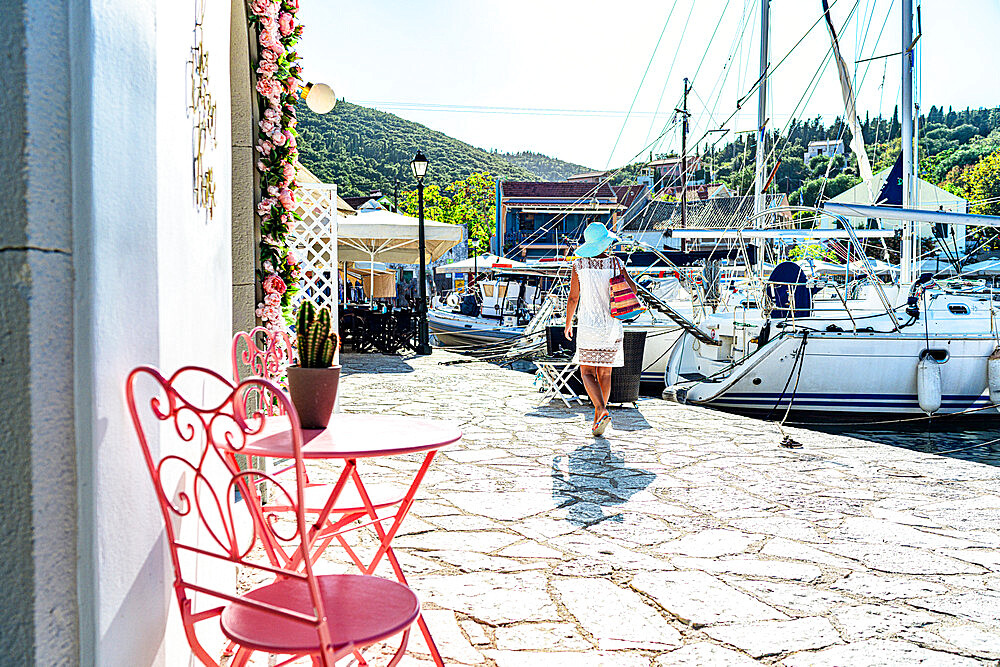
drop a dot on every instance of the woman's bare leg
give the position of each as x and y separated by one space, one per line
604 379
591 383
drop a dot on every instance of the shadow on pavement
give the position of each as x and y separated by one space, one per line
594 478
353 363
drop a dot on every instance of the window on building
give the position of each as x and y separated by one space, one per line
527 222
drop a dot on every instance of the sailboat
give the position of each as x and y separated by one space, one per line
913 347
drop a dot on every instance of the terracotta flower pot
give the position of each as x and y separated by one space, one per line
313 392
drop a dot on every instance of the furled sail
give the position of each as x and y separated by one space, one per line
847 89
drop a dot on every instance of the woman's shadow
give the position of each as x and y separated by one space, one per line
594 478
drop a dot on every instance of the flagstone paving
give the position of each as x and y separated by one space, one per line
685 536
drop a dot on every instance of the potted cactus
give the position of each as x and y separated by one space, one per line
313 383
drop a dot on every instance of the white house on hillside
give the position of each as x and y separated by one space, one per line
823 147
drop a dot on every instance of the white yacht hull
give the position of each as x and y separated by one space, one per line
659 339
840 372
452 328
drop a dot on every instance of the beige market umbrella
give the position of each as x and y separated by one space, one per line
384 236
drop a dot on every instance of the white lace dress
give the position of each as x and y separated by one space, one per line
598 335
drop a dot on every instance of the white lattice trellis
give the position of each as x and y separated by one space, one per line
314 241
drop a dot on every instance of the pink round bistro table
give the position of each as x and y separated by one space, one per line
354 436
350 437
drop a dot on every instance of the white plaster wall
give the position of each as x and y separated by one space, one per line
194 250
153 287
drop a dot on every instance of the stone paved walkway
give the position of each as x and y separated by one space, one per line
686 536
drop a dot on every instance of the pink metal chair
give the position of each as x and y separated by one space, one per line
269 361
267 354
187 446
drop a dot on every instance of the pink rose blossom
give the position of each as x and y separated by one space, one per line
267 68
268 55
267 126
286 23
261 7
288 171
272 115
270 39
272 190
287 199
290 138
261 166
273 284
268 87
278 139
265 148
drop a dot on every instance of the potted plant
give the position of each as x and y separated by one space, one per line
313 383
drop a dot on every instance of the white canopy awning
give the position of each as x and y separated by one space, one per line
481 263
389 237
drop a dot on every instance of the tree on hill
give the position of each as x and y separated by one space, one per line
544 167
980 185
469 202
362 150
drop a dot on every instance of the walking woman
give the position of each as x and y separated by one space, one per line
599 335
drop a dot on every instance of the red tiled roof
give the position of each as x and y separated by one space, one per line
556 190
627 193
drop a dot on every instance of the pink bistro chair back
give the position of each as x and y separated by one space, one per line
269 360
187 445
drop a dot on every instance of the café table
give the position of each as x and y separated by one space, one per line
350 437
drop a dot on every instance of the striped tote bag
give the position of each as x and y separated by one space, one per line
625 305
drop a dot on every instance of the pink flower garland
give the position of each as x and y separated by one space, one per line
278 83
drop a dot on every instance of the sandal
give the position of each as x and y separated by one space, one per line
602 424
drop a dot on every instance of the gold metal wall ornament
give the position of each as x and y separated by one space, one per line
201 109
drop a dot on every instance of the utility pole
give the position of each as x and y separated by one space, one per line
684 157
395 197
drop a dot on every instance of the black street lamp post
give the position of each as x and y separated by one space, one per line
419 165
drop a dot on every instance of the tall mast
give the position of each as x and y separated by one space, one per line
684 155
758 188
907 245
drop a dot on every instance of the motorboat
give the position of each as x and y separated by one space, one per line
489 312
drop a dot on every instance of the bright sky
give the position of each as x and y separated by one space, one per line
558 76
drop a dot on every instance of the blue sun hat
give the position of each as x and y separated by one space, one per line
596 239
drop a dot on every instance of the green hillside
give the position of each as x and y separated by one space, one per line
544 167
362 149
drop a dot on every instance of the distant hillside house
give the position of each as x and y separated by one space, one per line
588 177
824 147
372 202
666 172
545 219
